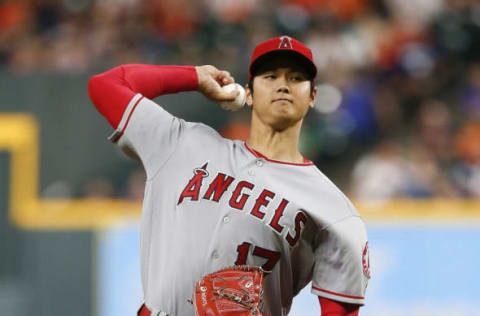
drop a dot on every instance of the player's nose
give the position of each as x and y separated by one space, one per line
282 82
283 88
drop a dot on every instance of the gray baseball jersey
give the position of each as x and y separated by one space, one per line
211 202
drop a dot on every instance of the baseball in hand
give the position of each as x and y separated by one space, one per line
239 101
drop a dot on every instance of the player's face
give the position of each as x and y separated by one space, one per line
281 93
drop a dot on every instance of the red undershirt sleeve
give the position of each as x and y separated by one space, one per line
334 308
112 90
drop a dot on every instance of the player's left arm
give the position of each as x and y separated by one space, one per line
334 308
341 268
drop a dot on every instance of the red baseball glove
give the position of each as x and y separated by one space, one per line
233 291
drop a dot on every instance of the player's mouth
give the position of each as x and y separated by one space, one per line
282 99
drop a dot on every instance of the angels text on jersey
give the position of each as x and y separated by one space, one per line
237 199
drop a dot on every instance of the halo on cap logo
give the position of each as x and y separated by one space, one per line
285 42
366 261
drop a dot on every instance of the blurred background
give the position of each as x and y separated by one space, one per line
396 126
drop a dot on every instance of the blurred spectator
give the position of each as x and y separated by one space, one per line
434 130
470 96
392 172
456 30
467 170
381 174
174 20
425 177
343 9
232 11
14 19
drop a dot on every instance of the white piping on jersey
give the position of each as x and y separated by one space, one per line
125 118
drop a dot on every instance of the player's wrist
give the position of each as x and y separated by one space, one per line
210 83
204 74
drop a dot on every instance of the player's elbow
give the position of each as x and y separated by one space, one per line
95 85
101 92
103 98
110 94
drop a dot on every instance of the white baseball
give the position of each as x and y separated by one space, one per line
239 101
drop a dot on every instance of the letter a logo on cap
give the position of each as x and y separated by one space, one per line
285 42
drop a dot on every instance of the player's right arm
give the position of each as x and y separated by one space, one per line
123 95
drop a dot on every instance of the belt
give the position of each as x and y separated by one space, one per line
144 311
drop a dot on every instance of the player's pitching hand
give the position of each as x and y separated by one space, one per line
210 81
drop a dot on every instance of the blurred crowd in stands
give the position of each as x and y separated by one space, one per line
398 104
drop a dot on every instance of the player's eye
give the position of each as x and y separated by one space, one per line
269 76
297 77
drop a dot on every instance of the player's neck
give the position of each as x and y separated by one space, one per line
274 144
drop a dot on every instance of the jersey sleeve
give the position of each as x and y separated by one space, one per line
341 269
149 131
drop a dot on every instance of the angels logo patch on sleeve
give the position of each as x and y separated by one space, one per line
366 261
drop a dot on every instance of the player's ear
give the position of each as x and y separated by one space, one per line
313 95
249 95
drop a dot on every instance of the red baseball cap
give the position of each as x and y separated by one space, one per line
282 44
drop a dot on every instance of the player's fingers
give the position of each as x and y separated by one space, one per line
229 80
222 95
224 78
214 91
211 86
227 96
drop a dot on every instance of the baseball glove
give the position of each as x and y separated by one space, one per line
233 291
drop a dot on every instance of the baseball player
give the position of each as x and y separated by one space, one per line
211 202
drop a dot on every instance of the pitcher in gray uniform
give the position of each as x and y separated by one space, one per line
211 202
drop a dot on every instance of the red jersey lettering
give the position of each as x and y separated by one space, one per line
240 203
